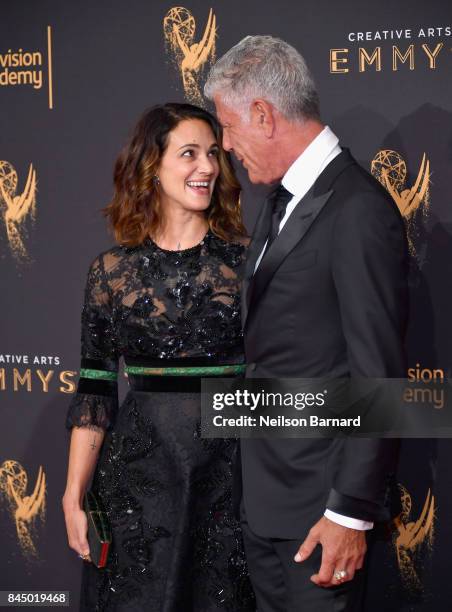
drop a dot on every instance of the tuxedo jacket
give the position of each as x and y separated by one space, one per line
328 299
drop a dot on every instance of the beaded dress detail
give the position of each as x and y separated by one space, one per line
177 546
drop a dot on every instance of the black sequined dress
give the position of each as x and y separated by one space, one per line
176 544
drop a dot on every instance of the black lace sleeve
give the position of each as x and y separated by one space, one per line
95 403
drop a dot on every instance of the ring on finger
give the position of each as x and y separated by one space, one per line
340 575
84 557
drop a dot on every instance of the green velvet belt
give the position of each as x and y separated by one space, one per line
223 370
98 374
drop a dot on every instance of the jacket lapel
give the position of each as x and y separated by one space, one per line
294 230
260 233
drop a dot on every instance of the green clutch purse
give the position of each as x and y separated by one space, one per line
99 531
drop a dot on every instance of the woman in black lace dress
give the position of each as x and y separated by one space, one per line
166 300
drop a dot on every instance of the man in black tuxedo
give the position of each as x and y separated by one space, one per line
325 295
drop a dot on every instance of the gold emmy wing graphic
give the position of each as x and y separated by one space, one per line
16 208
390 169
23 508
412 535
190 57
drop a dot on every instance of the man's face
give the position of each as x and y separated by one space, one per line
248 142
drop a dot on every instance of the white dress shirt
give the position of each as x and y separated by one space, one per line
298 180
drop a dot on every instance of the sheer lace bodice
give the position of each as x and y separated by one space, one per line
154 307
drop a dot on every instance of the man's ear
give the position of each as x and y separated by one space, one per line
263 116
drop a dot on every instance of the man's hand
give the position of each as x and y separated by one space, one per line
342 549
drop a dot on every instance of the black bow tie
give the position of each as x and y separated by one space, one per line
281 198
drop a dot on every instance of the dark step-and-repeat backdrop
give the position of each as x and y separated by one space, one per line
74 78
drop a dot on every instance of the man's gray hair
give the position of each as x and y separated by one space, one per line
268 68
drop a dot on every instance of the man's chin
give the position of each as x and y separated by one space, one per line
255 179
259 178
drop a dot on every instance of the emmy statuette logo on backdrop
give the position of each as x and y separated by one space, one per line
189 56
17 208
412 536
24 509
389 168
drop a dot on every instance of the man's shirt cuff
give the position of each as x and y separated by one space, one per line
347 521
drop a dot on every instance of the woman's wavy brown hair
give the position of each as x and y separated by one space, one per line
134 212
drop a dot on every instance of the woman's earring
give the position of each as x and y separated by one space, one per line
156 179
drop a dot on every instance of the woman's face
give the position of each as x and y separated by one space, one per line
189 167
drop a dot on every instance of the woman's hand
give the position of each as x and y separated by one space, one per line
84 450
77 528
